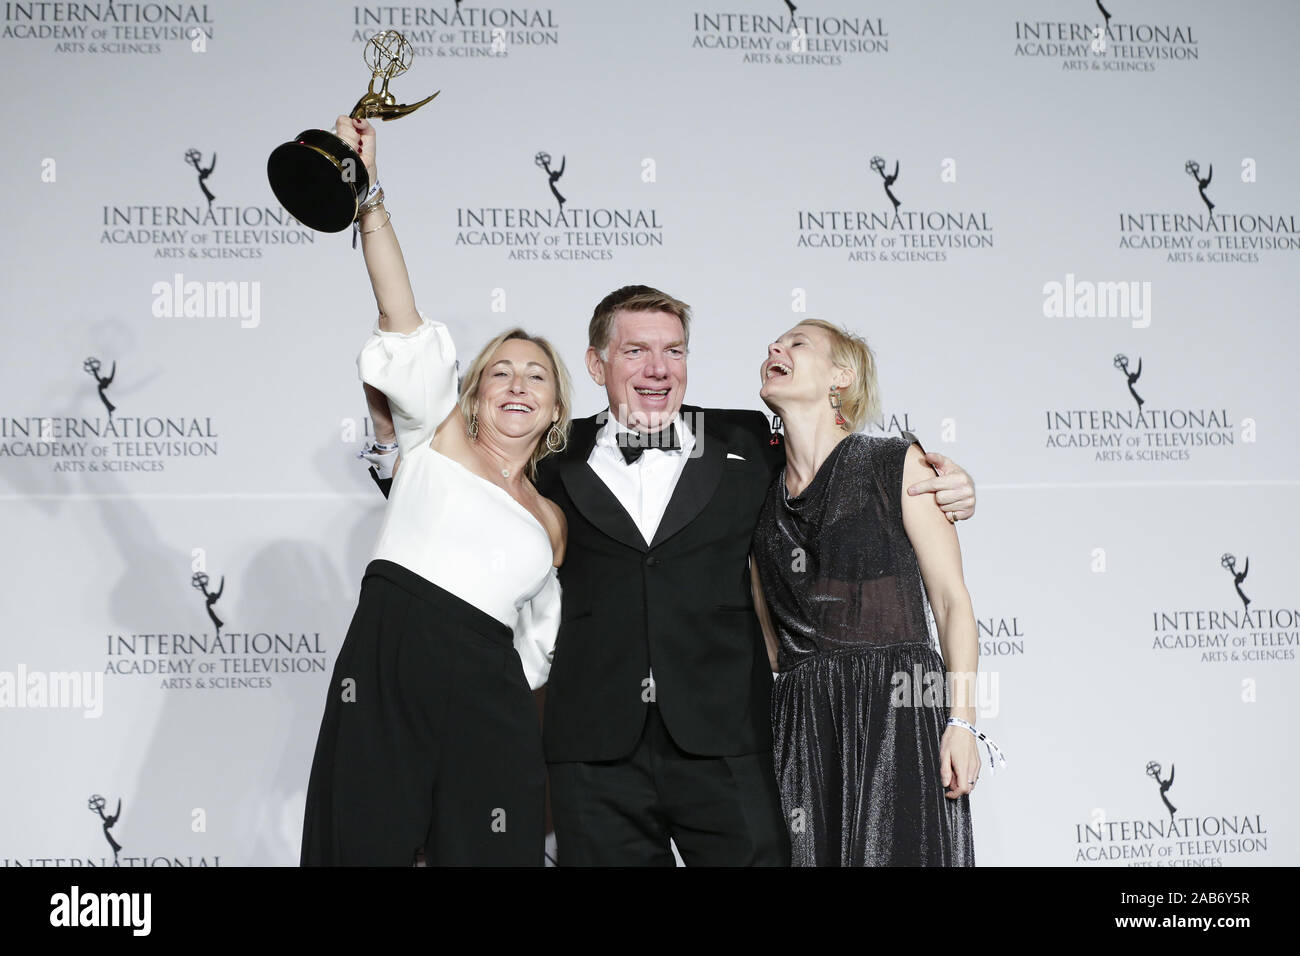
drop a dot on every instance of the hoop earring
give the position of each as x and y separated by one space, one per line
556 440
835 404
472 428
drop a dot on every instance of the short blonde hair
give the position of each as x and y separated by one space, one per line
633 298
860 399
469 386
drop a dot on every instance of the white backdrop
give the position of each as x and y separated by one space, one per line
1029 151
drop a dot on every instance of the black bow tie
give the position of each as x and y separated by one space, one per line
633 443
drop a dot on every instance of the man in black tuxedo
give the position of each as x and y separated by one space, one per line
657 722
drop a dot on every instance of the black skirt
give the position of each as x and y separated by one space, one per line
430 748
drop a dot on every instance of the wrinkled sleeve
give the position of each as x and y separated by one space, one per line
536 629
416 371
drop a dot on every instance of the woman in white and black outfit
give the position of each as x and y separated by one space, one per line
430 749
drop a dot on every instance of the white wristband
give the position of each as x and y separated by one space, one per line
996 759
383 461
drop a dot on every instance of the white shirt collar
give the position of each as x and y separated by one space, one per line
609 431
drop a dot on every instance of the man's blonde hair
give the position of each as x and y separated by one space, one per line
860 399
633 298
469 387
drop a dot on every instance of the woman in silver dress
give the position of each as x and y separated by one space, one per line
873 727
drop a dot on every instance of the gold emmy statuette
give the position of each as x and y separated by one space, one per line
319 178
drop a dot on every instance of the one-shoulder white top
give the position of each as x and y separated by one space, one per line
445 523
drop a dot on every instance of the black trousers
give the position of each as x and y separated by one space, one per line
430 744
720 811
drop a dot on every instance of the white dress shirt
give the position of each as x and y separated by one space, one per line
644 487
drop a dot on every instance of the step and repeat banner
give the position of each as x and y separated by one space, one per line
1069 229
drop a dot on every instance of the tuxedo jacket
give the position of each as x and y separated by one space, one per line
680 604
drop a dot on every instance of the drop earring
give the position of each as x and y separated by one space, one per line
835 404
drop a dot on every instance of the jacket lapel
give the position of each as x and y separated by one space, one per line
698 481
589 494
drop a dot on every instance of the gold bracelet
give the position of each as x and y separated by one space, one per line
388 217
362 212
371 203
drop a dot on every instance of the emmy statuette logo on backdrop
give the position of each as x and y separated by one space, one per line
200 582
543 160
1121 363
1193 169
92 367
195 159
96 804
1229 563
878 164
1153 771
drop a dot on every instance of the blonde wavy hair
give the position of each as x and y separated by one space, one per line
860 399
469 387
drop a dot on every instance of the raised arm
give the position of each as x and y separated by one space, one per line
383 461
384 262
381 416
